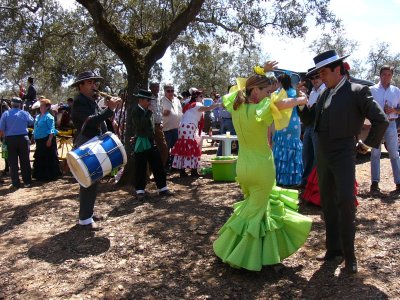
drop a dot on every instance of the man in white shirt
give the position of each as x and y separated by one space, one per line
309 136
388 97
172 115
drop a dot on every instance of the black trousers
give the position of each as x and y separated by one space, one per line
18 149
87 199
151 156
87 196
336 177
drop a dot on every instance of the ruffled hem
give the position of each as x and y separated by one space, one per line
265 238
311 193
288 160
188 148
181 162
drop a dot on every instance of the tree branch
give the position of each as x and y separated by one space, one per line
179 24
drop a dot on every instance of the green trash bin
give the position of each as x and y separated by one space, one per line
224 168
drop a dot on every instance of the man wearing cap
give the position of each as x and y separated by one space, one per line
388 97
338 117
145 148
13 126
157 110
89 121
309 136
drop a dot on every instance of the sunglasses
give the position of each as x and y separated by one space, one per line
169 91
315 77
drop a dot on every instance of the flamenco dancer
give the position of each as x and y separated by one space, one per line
187 150
264 228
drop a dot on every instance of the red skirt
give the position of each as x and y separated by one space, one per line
187 149
311 193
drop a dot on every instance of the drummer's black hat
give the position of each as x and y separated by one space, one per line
144 94
324 59
87 75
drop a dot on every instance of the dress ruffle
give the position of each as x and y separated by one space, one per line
266 238
266 109
187 150
288 160
311 193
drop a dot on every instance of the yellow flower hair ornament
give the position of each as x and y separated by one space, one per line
259 70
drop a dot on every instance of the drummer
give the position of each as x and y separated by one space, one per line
89 121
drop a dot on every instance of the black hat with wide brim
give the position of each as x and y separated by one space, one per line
87 75
324 59
144 94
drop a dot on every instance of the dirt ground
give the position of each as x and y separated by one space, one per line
162 248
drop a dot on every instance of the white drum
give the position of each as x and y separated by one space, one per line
96 158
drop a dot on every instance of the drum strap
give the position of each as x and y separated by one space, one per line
78 138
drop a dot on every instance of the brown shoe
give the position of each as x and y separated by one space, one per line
90 227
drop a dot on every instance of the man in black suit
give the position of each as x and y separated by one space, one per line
145 148
89 121
337 119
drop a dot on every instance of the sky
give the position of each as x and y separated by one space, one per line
368 22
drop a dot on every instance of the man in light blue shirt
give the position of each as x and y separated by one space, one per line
13 125
388 97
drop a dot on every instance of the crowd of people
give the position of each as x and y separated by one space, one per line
267 115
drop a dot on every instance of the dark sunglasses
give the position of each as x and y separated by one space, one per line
169 91
315 77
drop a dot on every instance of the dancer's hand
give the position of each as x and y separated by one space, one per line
270 66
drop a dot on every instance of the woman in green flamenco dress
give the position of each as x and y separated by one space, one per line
264 227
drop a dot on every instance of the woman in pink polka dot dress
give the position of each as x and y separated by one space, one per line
187 150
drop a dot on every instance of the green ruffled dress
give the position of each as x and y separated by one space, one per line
265 227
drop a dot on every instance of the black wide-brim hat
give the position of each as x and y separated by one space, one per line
144 94
87 75
324 59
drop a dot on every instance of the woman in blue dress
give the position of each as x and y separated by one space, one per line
46 165
287 146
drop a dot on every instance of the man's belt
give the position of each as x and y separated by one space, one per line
226 118
392 119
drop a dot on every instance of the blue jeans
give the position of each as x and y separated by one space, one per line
226 125
392 145
171 136
309 152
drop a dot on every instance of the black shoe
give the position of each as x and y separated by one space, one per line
166 193
331 255
194 173
398 188
140 196
350 267
375 187
90 227
98 218
182 173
